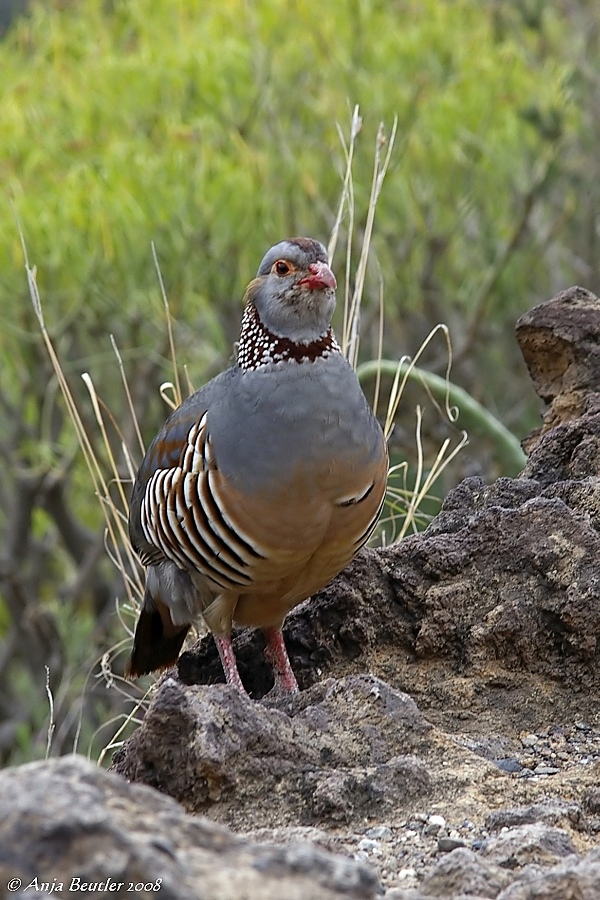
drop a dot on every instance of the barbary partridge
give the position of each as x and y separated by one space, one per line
263 484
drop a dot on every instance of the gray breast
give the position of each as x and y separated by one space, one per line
274 418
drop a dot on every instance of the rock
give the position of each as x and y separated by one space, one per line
570 453
575 878
66 822
448 844
434 824
560 343
508 764
412 894
505 576
379 833
463 872
335 753
591 800
524 844
550 812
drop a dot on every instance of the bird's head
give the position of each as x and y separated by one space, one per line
294 290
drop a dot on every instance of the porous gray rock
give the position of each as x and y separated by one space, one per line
553 811
464 872
574 878
525 844
560 343
66 825
342 750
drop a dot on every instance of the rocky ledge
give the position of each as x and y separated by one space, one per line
446 739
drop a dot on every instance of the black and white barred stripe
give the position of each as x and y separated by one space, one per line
183 514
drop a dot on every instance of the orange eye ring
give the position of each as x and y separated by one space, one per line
281 268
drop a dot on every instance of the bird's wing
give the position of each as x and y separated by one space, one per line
166 489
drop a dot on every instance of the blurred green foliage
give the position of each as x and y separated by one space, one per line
212 130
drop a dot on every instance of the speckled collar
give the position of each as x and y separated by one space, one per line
259 347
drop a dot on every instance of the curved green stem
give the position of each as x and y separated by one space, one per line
473 415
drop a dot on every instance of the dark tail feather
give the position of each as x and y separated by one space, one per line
157 641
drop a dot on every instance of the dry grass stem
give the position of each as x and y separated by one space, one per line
52 721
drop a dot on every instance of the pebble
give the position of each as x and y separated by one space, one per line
447 844
403 874
437 820
405 851
508 765
369 846
435 825
379 833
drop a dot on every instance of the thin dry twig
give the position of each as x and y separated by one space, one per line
52 722
177 386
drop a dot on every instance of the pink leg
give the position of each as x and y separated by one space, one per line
276 654
225 648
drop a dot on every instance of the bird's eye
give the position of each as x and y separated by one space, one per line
281 267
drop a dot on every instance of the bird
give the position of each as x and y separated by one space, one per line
265 483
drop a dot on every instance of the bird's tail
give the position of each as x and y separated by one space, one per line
157 640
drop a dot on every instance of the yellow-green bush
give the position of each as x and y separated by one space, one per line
211 129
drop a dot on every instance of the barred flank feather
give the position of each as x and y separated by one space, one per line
183 514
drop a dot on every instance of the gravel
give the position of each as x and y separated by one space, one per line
558 748
405 852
